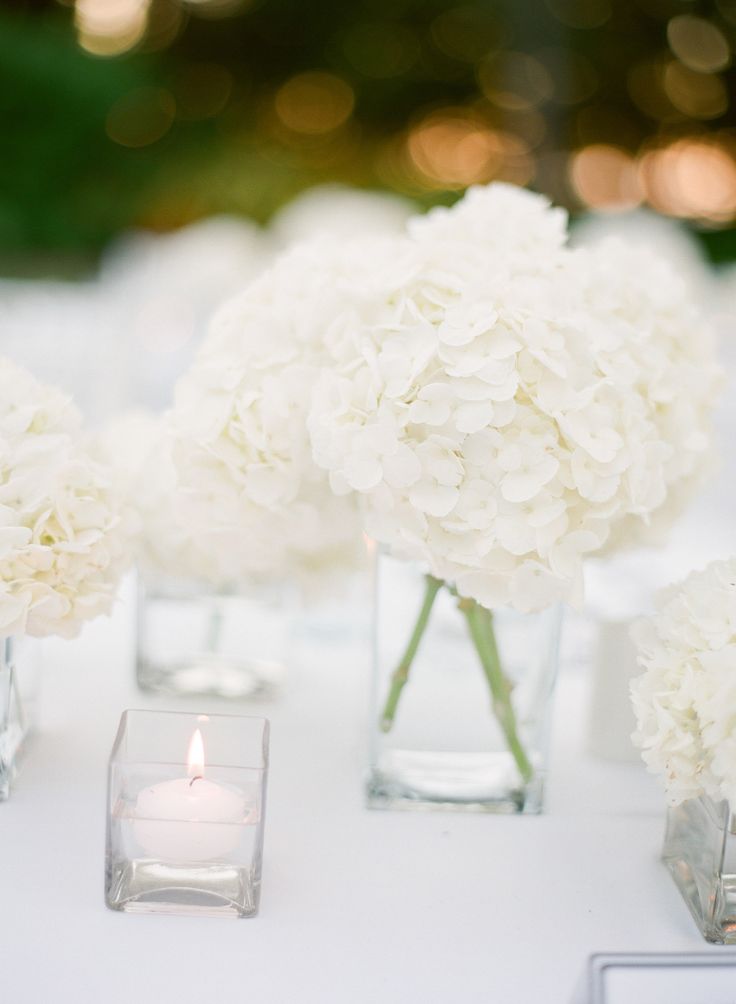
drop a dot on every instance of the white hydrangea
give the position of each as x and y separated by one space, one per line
685 700
250 491
507 403
157 293
670 351
671 240
62 550
137 448
500 219
340 212
202 262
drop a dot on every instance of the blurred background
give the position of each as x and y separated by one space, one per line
148 145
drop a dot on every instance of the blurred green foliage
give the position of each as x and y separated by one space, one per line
69 181
62 183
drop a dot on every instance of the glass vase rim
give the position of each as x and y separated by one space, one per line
201 715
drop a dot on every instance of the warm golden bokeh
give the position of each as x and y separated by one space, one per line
698 43
697 95
515 81
109 27
233 106
453 149
605 177
314 103
693 178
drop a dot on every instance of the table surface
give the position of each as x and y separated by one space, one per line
357 906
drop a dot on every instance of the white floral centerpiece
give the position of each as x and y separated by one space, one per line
686 391
251 491
62 545
670 239
685 700
685 706
202 626
496 406
246 491
510 406
137 447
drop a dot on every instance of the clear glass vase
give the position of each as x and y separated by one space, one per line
461 698
700 852
19 681
195 640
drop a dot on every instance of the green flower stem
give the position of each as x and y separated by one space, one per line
401 673
480 625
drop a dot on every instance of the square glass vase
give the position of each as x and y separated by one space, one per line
19 685
700 853
185 814
194 640
461 698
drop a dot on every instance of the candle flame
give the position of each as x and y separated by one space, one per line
195 756
370 545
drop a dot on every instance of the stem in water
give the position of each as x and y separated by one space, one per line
401 673
480 624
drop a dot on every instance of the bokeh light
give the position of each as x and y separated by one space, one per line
646 86
698 43
693 178
314 103
166 19
110 27
230 106
697 95
451 149
515 80
605 177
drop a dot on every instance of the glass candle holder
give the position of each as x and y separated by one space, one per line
700 852
19 684
196 640
185 814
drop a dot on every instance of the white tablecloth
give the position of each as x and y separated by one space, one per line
358 907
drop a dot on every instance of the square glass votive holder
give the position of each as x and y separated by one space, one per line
19 684
185 813
193 639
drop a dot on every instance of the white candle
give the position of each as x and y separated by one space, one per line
189 818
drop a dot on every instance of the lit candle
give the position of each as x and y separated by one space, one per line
189 818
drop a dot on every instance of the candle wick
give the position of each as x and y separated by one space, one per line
197 777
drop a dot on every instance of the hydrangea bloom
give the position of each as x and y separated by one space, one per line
499 218
338 211
685 701
251 492
669 350
508 403
61 547
669 239
137 449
